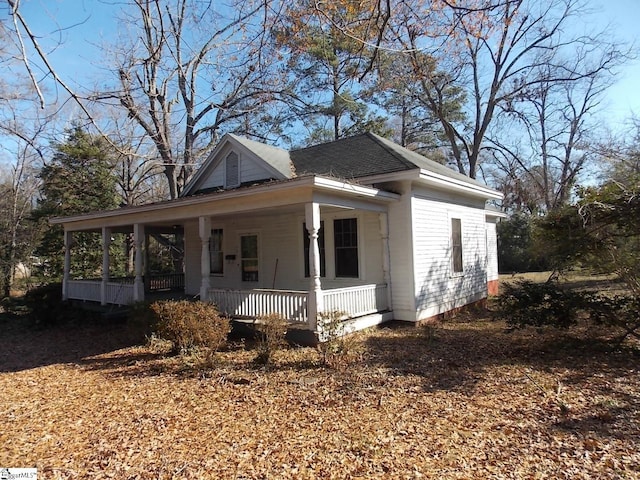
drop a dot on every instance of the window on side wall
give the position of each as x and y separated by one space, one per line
456 246
215 252
306 243
345 238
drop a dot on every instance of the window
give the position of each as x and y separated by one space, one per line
345 237
215 252
456 245
232 170
249 257
307 242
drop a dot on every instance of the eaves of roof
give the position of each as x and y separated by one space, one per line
311 181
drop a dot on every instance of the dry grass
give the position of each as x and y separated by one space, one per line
463 399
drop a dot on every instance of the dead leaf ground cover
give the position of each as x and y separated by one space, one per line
463 399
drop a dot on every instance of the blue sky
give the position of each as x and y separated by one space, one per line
87 23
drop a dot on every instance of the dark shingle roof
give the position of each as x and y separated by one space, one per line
365 155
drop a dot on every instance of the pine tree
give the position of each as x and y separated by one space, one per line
79 179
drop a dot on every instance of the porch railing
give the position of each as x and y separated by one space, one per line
88 290
252 303
166 281
117 292
356 301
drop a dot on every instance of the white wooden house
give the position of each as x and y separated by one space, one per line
359 225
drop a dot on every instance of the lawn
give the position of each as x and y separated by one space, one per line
463 399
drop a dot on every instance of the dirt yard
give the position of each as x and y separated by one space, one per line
464 399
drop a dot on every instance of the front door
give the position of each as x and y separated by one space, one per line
249 257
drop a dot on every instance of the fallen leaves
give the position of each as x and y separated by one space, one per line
465 401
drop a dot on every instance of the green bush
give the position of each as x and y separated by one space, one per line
271 330
188 325
45 304
525 303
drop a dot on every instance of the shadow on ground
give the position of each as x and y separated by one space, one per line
25 345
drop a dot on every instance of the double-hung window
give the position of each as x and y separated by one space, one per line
345 239
456 246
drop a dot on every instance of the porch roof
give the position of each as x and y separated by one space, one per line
276 194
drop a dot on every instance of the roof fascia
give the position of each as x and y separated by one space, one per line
435 179
454 184
321 183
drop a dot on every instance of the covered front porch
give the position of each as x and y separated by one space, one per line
320 246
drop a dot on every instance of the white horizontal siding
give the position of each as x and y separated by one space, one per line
252 169
437 288
281 251
401 259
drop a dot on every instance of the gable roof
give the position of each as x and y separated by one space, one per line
366 155
362 156
275 160
278 158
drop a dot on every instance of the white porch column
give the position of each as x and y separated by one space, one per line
68 243
386 262
205 257
315 305
138 260
106 242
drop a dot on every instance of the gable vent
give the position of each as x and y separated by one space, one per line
232 170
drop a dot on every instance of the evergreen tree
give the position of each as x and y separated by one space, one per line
79 179
324 67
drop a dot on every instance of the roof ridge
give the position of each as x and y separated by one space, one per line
382 142
329 142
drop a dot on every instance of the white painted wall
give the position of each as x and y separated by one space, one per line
401 256
437 288
251 169
281 251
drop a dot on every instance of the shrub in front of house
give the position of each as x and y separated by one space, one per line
189 325
45 305
338 346
271 330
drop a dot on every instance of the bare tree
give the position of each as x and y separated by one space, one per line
497 54
19 183
185 70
